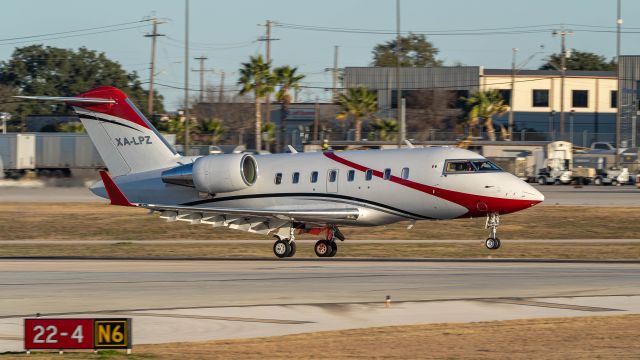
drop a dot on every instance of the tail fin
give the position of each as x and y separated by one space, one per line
125 139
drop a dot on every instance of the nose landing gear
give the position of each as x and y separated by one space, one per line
492 242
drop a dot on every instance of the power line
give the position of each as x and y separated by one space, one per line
72 36
513 30
74 31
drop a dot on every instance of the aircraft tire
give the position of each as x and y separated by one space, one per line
492 244
292 245
281 248
323 248
334 249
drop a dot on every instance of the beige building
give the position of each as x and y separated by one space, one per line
589 102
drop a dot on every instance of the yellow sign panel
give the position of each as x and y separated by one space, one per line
112 334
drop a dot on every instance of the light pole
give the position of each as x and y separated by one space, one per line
513 88
4 116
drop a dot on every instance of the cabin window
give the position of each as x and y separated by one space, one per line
351 175
333 175
368 175
278 179
387 174
295 178
405 173
314 177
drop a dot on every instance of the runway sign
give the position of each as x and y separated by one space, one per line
59 334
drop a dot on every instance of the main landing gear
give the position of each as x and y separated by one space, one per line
285 247
327 247
492 242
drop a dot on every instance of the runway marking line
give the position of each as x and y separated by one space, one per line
213 317
520 301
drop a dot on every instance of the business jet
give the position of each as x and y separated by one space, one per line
289 194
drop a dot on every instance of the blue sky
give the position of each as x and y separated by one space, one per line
225 31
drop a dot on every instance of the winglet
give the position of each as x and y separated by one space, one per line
115 195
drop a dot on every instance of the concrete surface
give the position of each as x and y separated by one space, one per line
200 300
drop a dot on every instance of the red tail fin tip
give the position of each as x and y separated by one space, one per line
115 195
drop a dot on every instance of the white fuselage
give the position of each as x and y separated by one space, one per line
428 192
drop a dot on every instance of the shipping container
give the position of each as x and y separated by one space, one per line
66 151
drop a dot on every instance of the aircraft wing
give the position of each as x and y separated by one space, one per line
252 220
320 214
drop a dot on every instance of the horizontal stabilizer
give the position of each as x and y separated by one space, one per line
78 100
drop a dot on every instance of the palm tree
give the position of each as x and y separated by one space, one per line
483 105
385 129
214 128
256 77
360 103
286 80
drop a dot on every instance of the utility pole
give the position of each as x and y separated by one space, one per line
563 69
400 116
154 34
512 92
202 70
619 92
267 38
221 94
186 78
334 75
316 120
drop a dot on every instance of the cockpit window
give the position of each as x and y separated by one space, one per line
485 165
468 166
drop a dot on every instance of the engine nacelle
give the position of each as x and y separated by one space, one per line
224 173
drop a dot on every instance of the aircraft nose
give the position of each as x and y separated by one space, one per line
532 194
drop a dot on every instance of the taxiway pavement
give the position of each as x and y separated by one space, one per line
172 300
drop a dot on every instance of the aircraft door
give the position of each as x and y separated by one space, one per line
332 181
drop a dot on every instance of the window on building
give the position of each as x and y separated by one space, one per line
580 98
540 98
278 179
405 173
614 98
505 94
333 176
351 175
387 174
295 178
368 175
314 177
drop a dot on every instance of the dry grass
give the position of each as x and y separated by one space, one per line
74 221
606 337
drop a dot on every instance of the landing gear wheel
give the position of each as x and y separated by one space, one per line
281 248
292 245
492 243
323 248
334 249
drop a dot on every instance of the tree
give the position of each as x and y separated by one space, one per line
287 80
256 77
415 51
213 128
385 129
39 70
360 103
579 60
483 105
72 127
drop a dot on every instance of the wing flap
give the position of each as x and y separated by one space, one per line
210 214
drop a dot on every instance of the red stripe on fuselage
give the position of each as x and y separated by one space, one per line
477 205
120 109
